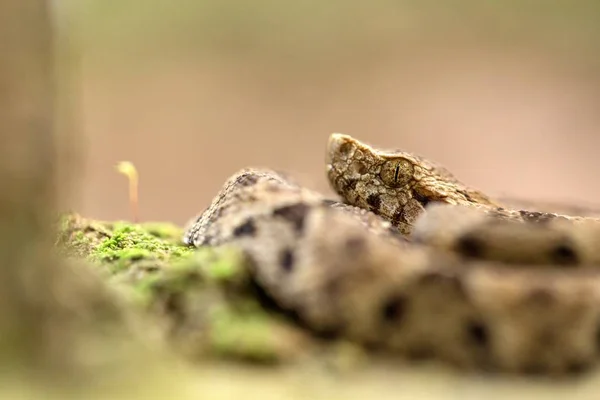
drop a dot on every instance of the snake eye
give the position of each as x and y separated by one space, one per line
396 173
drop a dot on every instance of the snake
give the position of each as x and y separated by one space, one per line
410 262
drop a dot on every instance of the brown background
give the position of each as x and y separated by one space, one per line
505 94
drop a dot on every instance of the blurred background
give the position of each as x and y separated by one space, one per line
506 94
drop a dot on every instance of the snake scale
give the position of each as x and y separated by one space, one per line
415 263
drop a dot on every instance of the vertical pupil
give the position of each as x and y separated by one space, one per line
396 172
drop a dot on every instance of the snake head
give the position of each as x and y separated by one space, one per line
393 184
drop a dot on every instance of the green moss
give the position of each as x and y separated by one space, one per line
221 265
163 230
177 278
248 335
128 236
130 251
217 267
128 244
121 260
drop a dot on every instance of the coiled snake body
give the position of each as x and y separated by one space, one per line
414 262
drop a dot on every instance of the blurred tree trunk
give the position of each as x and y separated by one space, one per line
27 178
57 323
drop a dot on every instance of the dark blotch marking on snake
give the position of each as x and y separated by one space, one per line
374 201
541 297
355 243
477 333
295 213
393 309
564 254
286 260
577 367
248 228
470 246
